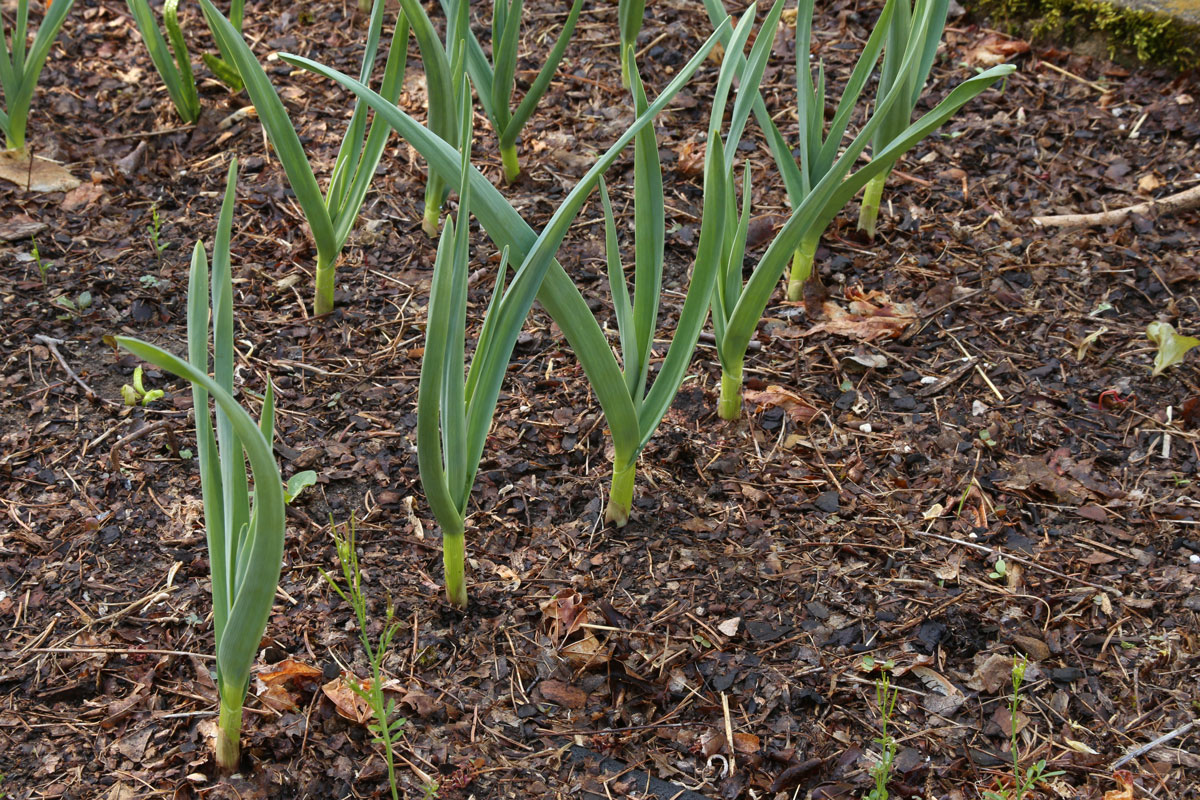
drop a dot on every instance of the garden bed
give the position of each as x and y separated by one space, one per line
772 565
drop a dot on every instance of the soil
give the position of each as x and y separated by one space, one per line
851 523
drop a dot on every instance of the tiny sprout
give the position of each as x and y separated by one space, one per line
1000 570
137 394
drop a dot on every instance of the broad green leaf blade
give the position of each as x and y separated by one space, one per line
506 35
430 390
617 284
275 121
558 294
186 81
699 296
1172 347
476 60
297 484
649 207
854 88
160 56
351 148
254 595
234 487
454 404
538 88
830 195
345 210
206 444
750 77
27 68
489 324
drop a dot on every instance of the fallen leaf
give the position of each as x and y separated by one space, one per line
586 651
1031 472
20 228
730 626
279 688
869 316
746 743
38 175
1080 747
420 701
564 613
1124 779
792 404
563 694
992 674
689 161
346 701
995 49
82 196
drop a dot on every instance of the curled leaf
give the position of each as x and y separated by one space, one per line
1172 347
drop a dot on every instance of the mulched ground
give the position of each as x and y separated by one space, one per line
853 518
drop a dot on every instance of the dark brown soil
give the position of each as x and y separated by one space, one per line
770 562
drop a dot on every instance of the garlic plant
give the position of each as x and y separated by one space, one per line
245 536
330 216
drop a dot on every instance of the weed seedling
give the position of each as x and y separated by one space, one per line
43 266
1022 783
1000 570
385 728
76 307
135 394
153 231
885 702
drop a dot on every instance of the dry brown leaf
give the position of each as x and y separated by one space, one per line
746 743
564 613
870 316
279 688
347 702
792 404
82 196
1124 779
995 49
40 175
563 694
585 651
992 674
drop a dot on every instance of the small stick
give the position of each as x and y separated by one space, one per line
1025 561
52 344
1090 84
729 733
1180 201
114 454
1166 737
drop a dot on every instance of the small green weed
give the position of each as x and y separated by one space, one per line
385 728
43 266
885 702
1034 775
135 394
153 230
77 307
999 570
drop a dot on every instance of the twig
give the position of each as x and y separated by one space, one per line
1166 737
729 733
1090 84
114 454
119 651
1011 557
52 344
1181 201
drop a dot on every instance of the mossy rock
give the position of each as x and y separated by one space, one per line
1163 32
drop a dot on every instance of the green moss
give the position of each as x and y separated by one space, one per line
1144 35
